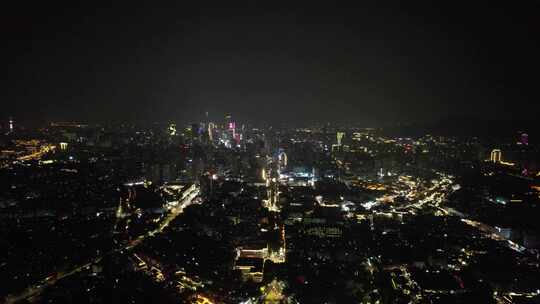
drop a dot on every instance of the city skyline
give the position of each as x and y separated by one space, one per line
225 212
165 152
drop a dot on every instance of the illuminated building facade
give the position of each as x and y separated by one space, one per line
11 125
282 160
496 156
339 138
211 128
172 129
232 132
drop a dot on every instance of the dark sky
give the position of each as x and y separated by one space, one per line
274 64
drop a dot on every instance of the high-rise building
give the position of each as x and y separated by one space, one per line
496 156
172 129
11 125
228 119
211 127
282 159
524 139
195 130
339 137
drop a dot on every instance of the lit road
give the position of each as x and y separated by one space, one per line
435 197
38 154
188 200
491 232
38 288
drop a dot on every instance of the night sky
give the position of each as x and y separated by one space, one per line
301 64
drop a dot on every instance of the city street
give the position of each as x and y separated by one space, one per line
38 288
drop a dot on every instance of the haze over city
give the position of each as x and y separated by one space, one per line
175 61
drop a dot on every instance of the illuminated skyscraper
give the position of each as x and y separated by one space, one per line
172 129
282 160
496 156
339 137
211 131
231 127
11 125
